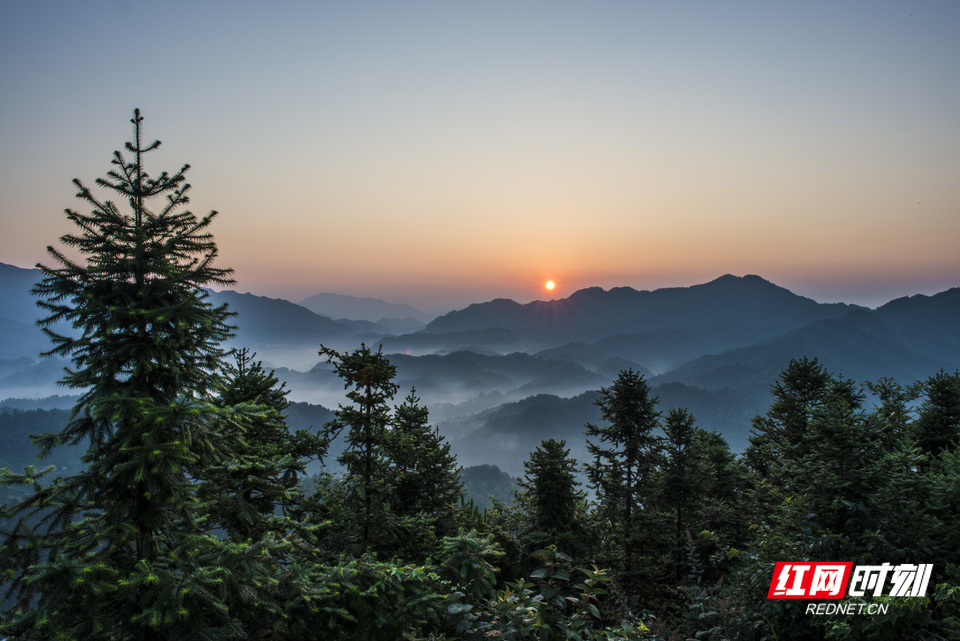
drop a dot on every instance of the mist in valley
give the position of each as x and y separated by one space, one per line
499 377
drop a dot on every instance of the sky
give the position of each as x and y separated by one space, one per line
442 153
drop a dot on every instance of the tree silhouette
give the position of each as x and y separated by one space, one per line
625 458
120 550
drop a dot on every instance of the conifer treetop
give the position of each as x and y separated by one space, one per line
134 288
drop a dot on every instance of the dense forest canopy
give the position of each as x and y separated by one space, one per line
191 514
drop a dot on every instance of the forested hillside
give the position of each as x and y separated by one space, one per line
192 513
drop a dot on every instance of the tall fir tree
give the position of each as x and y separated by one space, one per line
552 497
937 427
800 389
121 550
368 377
680 483
251 491
838 476
626 454
425 477
895 400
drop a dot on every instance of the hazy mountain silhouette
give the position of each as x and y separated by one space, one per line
19 334
499 376
369 309
278 330
401 325
727 299
506 434
464 374
749 303
259 319
18 340
928 324
17 302
27 377
656 351
481 482
602 357
650 331
284 333
494 340
858 345
263 320
459 377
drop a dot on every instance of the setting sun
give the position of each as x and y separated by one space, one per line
550 285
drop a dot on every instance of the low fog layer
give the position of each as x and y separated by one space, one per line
500 376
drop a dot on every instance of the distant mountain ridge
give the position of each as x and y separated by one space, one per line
261 319
16 301
928 324
858 345
354 308
19 335
262 322
498 376
749 302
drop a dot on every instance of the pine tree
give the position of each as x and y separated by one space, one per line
937 427
801 388
552 498
837 475
720 512
680 482
726 481
260 482
121 551
369 378
895 400
625 459
424 474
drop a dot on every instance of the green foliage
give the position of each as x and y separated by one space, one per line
366 600
938 425
401 491
119 540
483 482
701 499
16 444
801 387
467 561
852 486
17 448
369 378
625 459
124 548
548 607
895 404
258 483
679 481
425 478
551 497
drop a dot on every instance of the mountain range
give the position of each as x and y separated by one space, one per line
500 375
750 303
369 309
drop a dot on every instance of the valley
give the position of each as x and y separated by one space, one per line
500 376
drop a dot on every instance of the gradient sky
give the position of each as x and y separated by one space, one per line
439 153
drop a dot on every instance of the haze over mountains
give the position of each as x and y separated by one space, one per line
370 309
499 376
